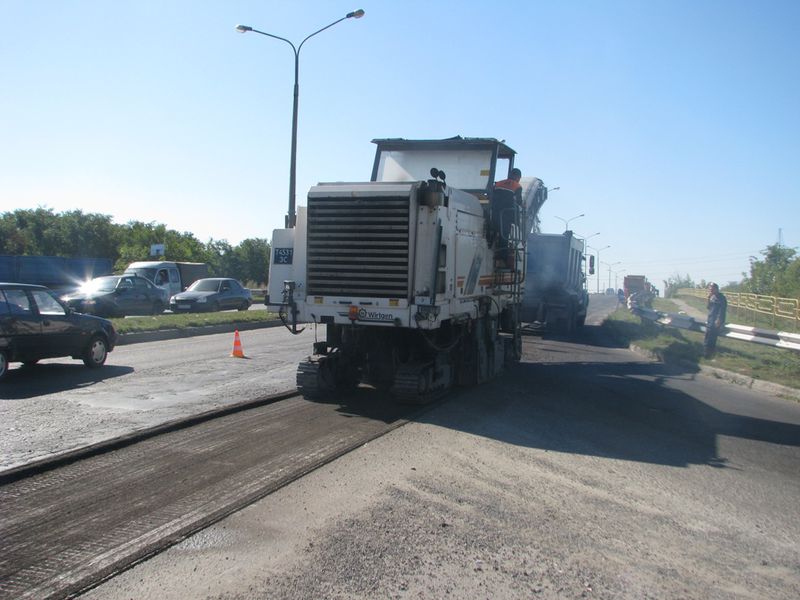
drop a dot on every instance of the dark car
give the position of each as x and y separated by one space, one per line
117 296
212 294
35 324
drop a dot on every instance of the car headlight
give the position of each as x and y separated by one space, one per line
202 300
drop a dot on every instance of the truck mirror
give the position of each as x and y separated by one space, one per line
591 264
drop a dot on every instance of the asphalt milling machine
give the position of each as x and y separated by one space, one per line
416 275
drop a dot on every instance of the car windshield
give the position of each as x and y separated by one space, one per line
204 285
100 284
141 272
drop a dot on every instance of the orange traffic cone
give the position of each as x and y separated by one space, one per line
237 346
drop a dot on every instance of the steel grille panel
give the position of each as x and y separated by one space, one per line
358 247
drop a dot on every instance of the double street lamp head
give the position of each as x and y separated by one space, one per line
566 221
356 14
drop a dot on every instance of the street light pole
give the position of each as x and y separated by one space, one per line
609 265
585 239
566 221
291 216
597 250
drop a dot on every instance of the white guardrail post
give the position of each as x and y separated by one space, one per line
779 339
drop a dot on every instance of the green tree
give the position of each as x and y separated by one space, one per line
790 282
221 258
676 282
778 274
137 238
32 226
13 240
72 234
253 254
87 235
75 234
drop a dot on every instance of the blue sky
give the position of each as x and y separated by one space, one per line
672 125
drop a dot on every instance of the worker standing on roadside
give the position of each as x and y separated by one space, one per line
717 309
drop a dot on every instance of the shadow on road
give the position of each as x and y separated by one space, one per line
628 410
612 410
595 335
52 378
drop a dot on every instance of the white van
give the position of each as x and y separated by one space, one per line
171 277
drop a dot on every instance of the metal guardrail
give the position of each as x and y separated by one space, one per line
778 339
748 306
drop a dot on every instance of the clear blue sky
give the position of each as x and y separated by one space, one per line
674 126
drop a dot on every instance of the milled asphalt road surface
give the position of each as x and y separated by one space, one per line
586 472
59 405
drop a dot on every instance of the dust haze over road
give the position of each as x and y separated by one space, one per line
586 472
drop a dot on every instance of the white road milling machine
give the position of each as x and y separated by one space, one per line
417 275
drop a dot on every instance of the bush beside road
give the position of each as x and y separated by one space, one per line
185 321
761 363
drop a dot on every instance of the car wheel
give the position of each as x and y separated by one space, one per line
157 308
214 307
3 364
245 305
96 353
